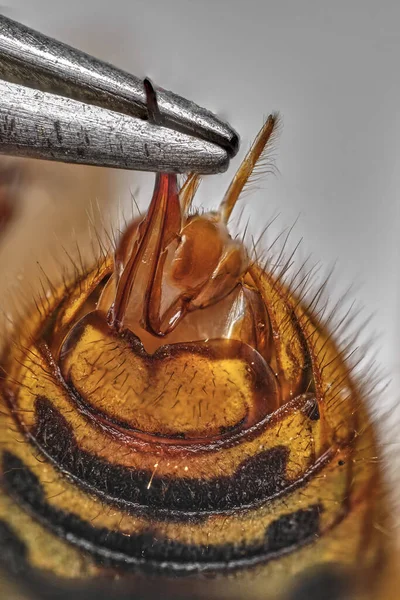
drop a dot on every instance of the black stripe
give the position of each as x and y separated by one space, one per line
149 550
257 478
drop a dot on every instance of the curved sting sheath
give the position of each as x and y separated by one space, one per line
79 109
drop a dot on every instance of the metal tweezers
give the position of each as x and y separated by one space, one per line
58 103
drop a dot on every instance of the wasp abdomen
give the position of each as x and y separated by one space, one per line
179 411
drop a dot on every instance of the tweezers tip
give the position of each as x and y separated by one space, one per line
234 143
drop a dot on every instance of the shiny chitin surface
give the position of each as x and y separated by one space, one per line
36 124
177 421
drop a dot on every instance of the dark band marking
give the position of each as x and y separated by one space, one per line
286 530
330 582
13 552
257 478
149 550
